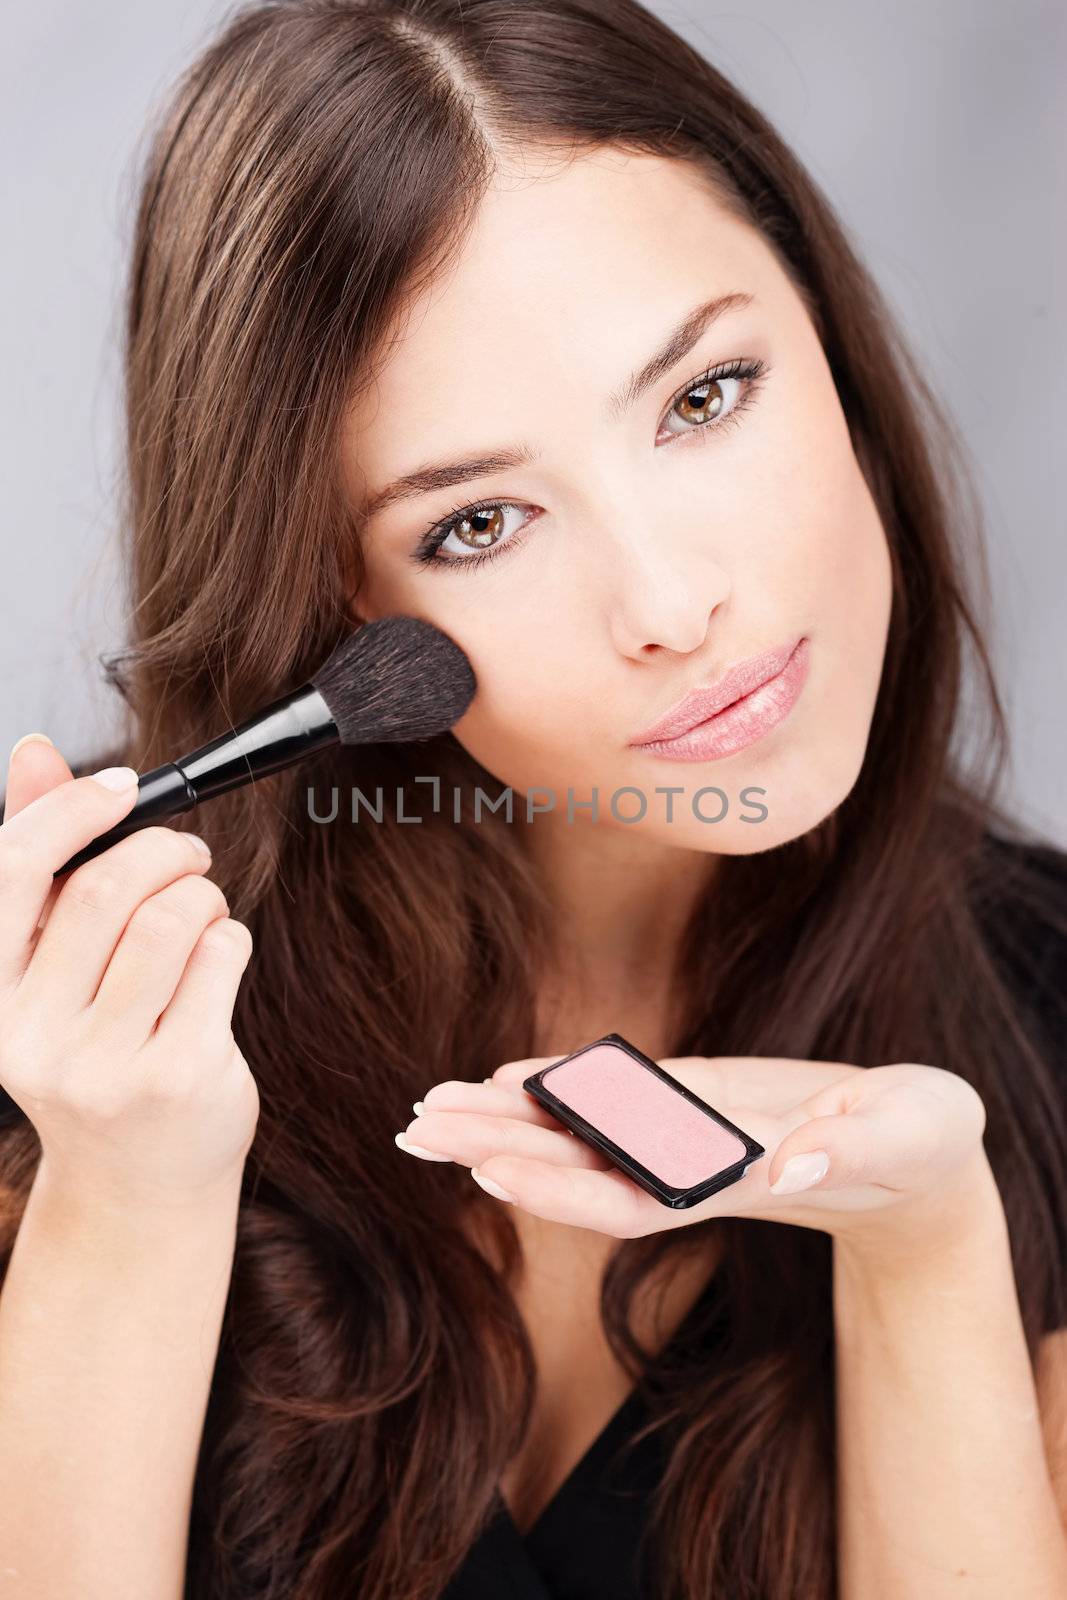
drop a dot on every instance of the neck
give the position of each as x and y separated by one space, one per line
621 905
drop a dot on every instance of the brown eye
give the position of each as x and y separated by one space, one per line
479 528
717 398
702 402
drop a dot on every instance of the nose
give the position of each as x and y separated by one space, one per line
664 582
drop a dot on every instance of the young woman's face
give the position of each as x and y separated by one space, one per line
631 551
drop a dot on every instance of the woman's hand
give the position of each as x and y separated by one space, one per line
875 1154
117 986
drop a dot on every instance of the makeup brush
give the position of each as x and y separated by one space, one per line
397 678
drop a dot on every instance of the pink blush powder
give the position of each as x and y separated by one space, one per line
636 1110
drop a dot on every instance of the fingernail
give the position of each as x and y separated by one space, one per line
800 1172
417 1149
490 1186
116 778
201 844
487 1080
41 738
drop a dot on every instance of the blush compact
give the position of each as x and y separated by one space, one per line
650 1126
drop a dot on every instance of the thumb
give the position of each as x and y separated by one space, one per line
887 1143
34 767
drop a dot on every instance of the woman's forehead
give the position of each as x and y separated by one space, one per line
548 275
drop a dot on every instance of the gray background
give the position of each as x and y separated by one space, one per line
933 128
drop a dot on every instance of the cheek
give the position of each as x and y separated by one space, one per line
850 603
531 709
858 573
828 558
824 563
533 722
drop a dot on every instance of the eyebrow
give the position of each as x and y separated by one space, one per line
444 474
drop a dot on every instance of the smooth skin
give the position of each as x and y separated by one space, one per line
117 986
626 564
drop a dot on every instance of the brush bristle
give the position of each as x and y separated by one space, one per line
397 678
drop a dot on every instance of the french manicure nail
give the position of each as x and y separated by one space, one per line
27 738
418 1107
491 1187
116 778
417 1149
800 1172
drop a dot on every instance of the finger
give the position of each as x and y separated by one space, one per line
95 905
34 843
472 1139
767 1083
207 991
151 956
511 1073
34 767
607 1201
488 1099
886 1141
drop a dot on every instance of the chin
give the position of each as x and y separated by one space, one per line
797 794
820 782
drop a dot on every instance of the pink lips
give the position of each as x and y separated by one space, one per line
742 705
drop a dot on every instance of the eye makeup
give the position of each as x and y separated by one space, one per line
749 373
677 1147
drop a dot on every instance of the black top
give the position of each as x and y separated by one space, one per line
584 1545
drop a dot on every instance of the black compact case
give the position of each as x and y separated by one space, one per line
677 1197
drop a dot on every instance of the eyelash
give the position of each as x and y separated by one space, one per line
752 371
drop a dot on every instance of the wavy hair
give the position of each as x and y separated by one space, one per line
316 164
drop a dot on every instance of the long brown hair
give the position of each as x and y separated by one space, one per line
315 164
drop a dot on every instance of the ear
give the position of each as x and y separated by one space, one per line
357 603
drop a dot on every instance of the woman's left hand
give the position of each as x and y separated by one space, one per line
860 1152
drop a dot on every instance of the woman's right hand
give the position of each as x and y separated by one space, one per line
117 987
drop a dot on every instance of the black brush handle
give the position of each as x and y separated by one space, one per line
293 727
163 792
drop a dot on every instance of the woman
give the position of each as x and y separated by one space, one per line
414 321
